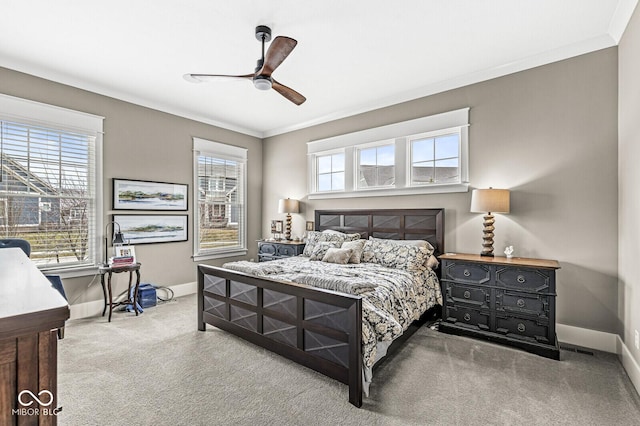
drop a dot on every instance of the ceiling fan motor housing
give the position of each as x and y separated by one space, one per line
262 82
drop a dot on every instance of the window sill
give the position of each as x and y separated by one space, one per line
415 190
71 272
219 255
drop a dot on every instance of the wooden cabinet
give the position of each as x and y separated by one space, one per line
508 301
30 314
270 250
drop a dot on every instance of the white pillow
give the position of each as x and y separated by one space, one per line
337 255
357 247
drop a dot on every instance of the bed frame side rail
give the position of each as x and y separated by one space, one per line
317 328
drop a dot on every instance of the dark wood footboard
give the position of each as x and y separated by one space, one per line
317 328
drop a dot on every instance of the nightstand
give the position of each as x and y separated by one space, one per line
511 301
271 250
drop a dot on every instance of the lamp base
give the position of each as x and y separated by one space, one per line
487 235
287 228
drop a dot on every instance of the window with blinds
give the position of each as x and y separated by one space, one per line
47 195
220 182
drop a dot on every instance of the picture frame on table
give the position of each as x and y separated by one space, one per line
309 226
129 194
125 251
279 226
149 229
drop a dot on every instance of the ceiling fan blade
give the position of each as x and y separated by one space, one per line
278 51
288 93
203 78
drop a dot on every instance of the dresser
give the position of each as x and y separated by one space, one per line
511 301
271 250
30 314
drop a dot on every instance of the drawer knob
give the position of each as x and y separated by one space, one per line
467 294
467 273
467 317
521 328
520 303
520 279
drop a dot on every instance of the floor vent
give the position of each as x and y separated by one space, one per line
576 349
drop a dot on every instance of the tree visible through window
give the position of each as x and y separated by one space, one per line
47 192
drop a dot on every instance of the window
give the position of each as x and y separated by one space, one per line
220 185
376 166
421 156
48 182
435 160
330 172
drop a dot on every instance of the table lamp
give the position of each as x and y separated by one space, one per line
118 239
489 201
288 206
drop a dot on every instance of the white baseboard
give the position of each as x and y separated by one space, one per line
630 365
94 308
586 338
601 341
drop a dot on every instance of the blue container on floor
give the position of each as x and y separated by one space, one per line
147 295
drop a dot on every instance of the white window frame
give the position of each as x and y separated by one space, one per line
434 135
356 170
316 174
29 112
224 152
400 134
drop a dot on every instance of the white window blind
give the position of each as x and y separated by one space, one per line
47 192
220 185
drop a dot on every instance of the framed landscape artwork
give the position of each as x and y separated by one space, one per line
147 195
146 229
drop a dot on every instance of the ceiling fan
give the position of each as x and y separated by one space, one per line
277 53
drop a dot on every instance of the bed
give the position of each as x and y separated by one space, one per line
285 307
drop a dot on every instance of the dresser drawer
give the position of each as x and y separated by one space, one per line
537 280
467 317
267 248
288 250
522 303
523 328
479 297
471 273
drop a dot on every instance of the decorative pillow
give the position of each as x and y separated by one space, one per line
393 255
314 237
417 243
337 255
357 247
321 248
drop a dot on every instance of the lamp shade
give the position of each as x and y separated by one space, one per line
288 206
490 201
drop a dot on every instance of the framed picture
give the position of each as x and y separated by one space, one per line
309 225
145 229
125 251
279 227
147 195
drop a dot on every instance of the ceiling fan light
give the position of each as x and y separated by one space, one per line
262 83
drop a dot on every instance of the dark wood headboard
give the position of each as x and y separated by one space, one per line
393 224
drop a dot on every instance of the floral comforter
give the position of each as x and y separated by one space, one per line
391 298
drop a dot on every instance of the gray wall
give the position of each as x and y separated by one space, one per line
141 143
549 134
629 175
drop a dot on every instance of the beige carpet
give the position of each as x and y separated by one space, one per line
157 369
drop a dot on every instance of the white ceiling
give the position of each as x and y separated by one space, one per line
352 55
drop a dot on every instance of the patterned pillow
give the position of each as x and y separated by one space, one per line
416 243
357 247
393 255
321 248
337 255
314 237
